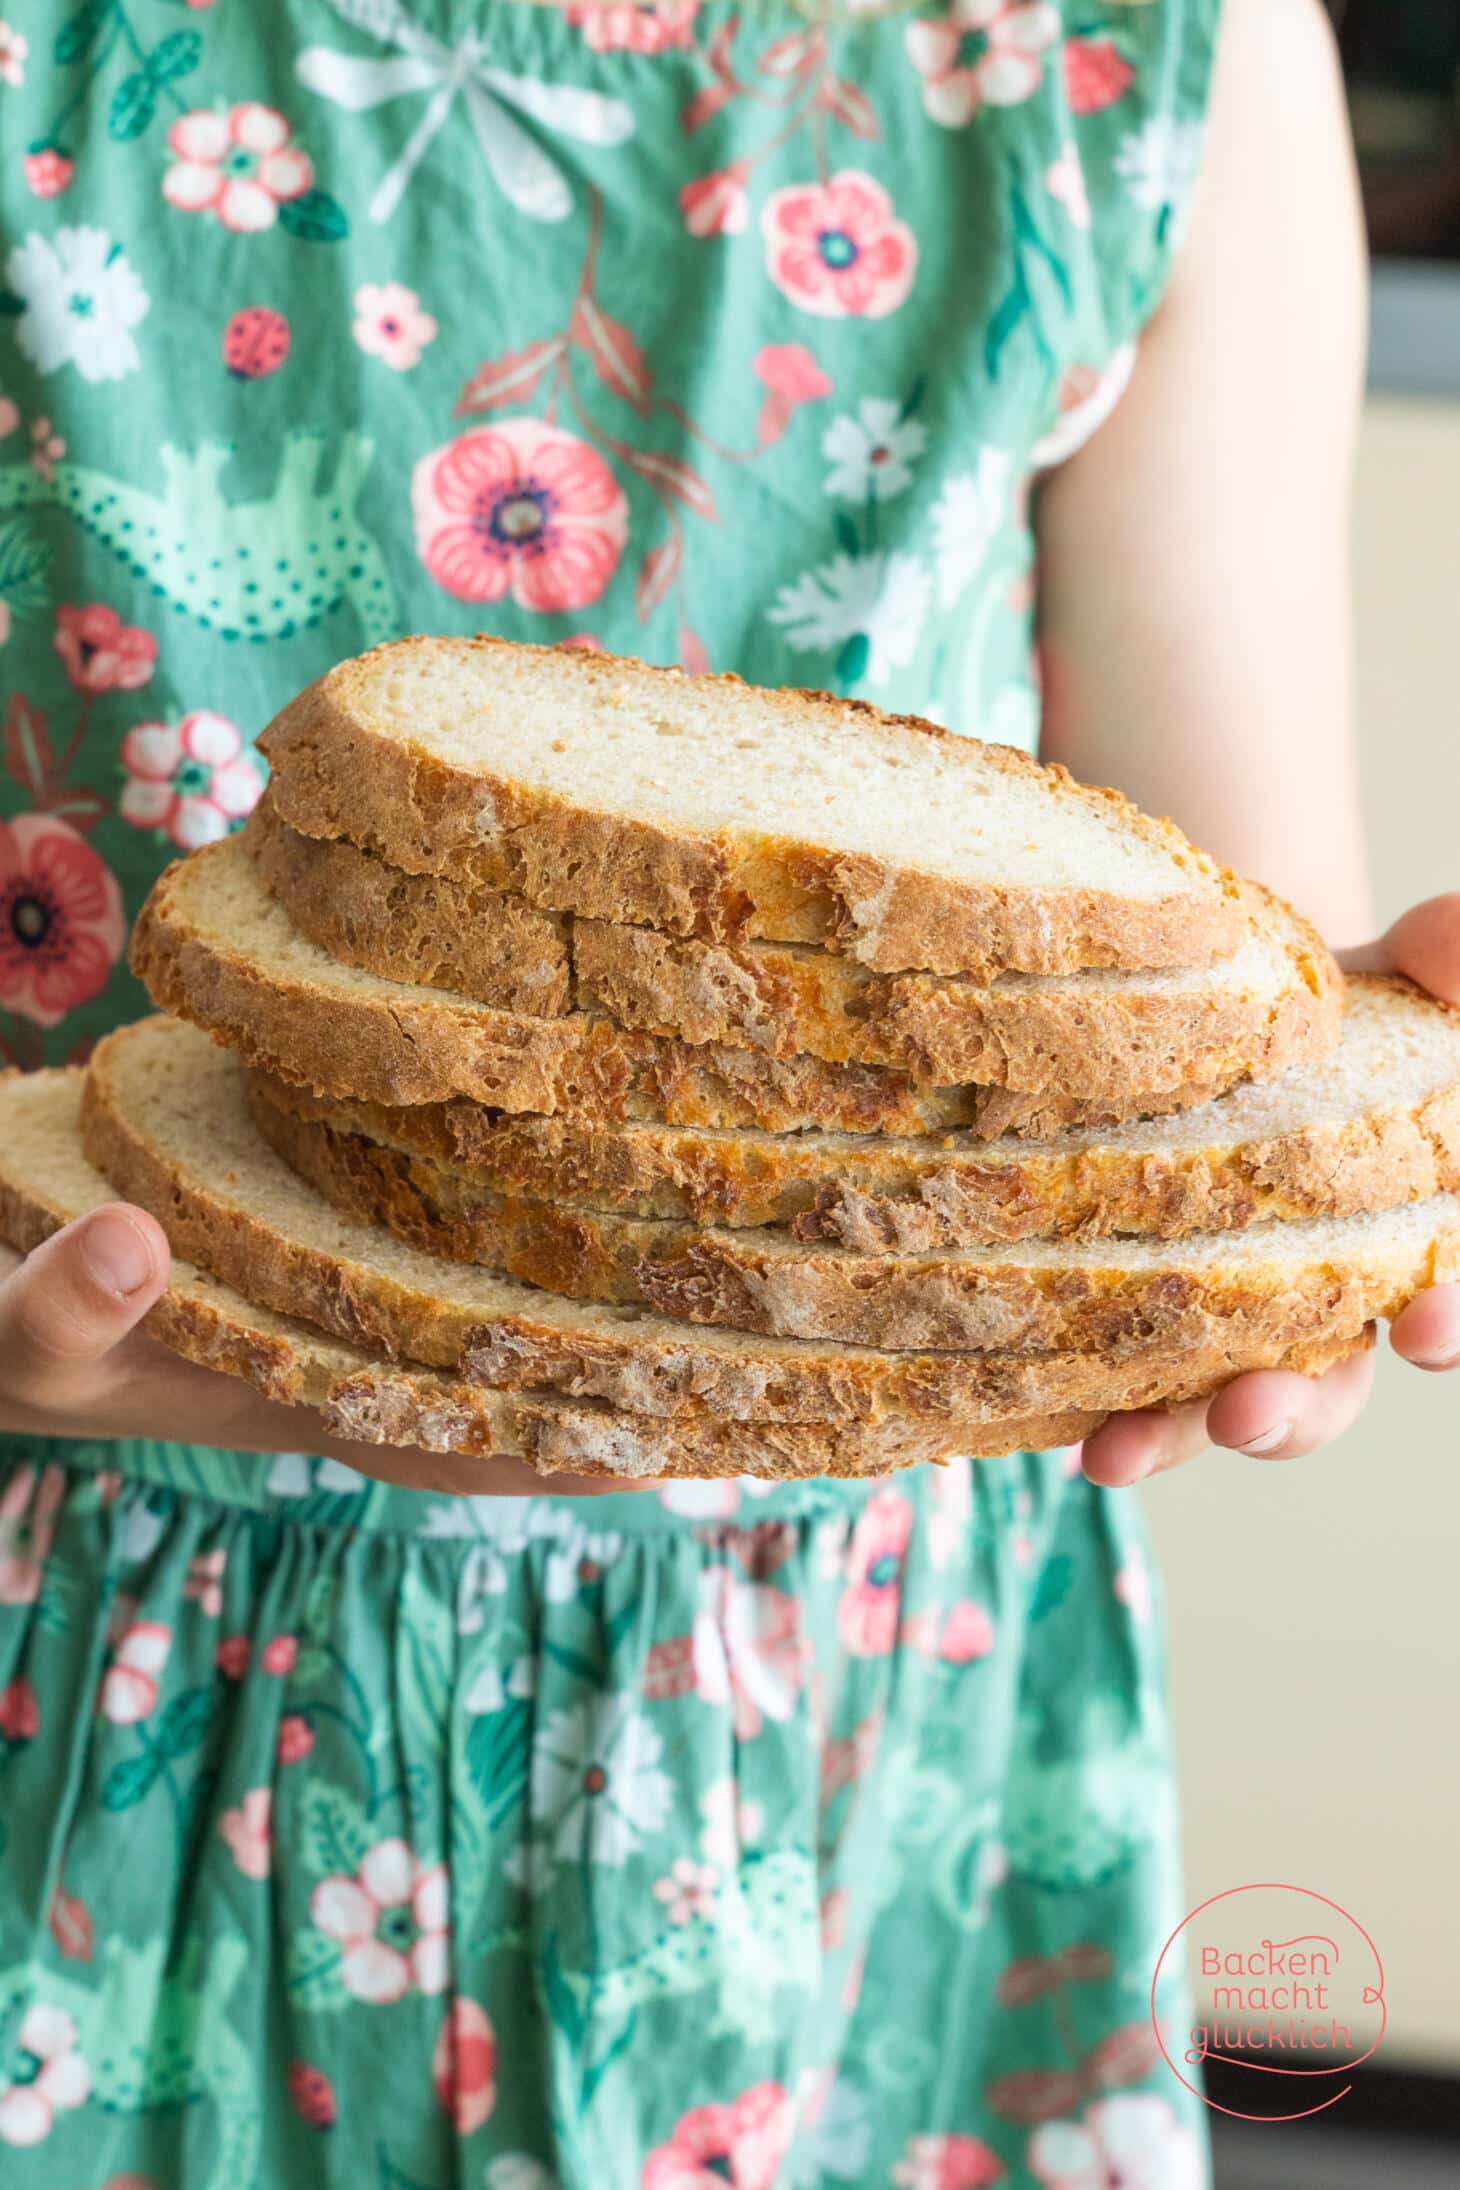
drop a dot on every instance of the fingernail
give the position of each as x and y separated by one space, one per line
1449 1360
116 1254
1268 1441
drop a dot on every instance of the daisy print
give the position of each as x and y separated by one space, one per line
596 1775
80 298
967 518
866 610
872 451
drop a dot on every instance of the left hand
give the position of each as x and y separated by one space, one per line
1273 1414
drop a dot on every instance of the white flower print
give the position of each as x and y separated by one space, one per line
516 2171
730 1825
14 46
596 1779
878 599
872 453
835 2134
749 1654
57 2077
1133 2140
1159 162
82 297
238 166
1064 179
688 1890
1014 718
967 518
1007 39
191 779
391 1923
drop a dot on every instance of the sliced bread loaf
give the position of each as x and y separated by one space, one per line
46 1180
703 806
1029 1296
213 946
1374 1125
165 1120
1272 1004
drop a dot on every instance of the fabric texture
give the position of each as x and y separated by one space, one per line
813 1835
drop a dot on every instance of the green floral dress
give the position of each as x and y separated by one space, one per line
778 1836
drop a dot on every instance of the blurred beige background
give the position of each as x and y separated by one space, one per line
1315 1607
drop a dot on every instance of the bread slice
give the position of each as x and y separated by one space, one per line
165 1119
213 946
705 807
1274 1003
1028 1296
1376 1124
46 1180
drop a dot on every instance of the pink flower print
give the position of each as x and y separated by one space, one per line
871 1604
390 324
689 1890
947 2163
249 1833
390 1922
48 171
61 925
296 1738
202 1583
52 2080
1064 179
464 2066
731 1823
46 448
981 53
9 417
742 2144
279 1655
836 1905
968 1633
748 1650
239 166
193 779
20 1718
716 205
232 1656
790 371
628 28
129 1687
520 508
837 248
27 1518
1133 1588
14 46
101 653
1130 2142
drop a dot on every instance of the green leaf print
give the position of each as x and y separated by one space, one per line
496 1758
175 55
391 2177
76 37
134 102
313 1971
24 562
129 1781
314 218
184 1722
333 1833
1053 1586
851 662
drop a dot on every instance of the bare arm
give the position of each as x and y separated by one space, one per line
1196 618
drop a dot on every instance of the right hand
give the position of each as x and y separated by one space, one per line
74 1364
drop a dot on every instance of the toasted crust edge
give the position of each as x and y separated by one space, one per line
915 1195
339 776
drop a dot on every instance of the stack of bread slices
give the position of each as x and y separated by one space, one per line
648 1075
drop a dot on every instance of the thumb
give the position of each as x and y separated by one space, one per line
1423 943
75 1298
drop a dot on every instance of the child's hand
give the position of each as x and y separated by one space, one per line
73 1364
1273 1414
